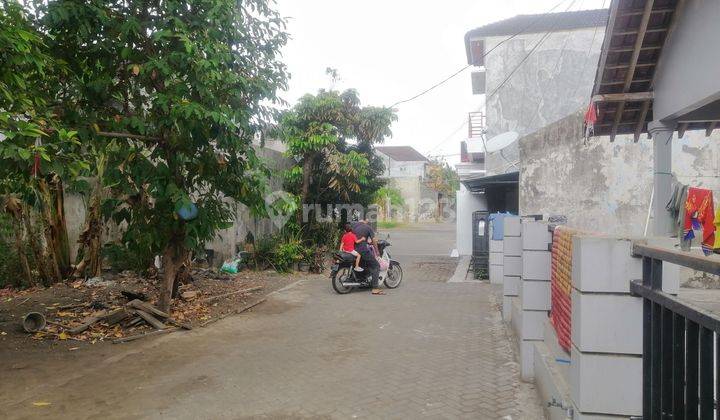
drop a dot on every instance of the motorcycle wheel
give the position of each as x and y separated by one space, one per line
338 278
394 276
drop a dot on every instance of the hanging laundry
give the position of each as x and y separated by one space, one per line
498 228
700 214
676 207
717 237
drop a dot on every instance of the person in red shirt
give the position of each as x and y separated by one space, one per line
347 244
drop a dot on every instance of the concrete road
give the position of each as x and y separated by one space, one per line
428 349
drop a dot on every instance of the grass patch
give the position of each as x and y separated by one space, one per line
389 224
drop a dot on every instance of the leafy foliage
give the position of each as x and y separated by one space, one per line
331 137
442 178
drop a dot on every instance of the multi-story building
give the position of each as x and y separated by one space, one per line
532 70
529 71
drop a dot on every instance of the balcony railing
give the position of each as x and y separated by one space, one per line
681 344
476 124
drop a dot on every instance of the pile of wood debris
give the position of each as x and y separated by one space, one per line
133 320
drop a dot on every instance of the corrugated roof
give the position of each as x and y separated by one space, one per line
561 21
402 153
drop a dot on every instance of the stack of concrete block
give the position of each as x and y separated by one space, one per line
512 263
605 376
496 261
534 291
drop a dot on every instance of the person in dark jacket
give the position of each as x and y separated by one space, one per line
362 230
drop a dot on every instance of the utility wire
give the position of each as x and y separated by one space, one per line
465 120
447 79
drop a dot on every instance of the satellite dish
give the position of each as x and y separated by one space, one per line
501 141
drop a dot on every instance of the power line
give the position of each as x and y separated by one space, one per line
535 47
517 67
442 82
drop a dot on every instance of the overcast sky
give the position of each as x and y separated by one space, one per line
390 50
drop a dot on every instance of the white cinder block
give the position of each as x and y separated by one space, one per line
606 384
549 383
507 308
532 325
535 236
671 278
513 266
496 258
496 274
516 317
512 245
511 226
535 295
602 264
536 265
511 285
527 360
607 323
577 415
496 246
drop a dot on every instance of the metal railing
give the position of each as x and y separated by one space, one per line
476 124
679 342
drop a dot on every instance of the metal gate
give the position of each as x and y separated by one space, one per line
681 343
481 244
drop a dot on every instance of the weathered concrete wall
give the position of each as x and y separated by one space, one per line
419 199
225 244
603 186
551 84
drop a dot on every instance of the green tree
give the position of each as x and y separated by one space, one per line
442 179
38 154
173 92
331 137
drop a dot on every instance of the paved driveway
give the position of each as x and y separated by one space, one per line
427 349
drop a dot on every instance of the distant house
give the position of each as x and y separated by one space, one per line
403 162
406 171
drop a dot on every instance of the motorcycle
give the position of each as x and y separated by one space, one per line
344 278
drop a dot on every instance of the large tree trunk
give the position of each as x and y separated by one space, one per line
173 258
53 215
14 208
91 240
305 192
35 247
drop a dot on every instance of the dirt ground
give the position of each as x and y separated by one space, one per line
65 305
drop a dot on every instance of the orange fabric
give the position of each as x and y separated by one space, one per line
700 214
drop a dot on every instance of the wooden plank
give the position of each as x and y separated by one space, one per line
628 49
622 97
87 322
612 17
635 31
150 320
638 44
144 306
117 316
710 128
624 66
681 129
641 120
623 82
635 12
616 122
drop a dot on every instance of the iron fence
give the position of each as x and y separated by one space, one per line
680 342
